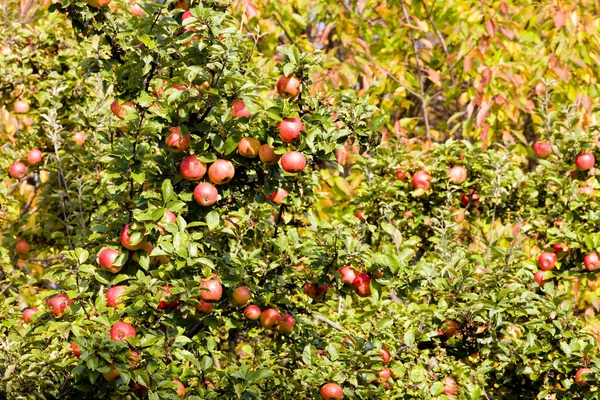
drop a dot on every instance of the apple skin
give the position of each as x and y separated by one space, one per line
176 141
449 328
449 386
289 87
270 318
362 285
58 304
314 291
221 172
34 156
458 174
180 388
591 262
587 191
421 180
385 355
106 259
539 278
21 107
252 312
135 9
78 138
348 274
164 304
191 168
17 170
289 129
22 248
542 149
168 218
384 375
332 391
547 261
213 291
401 175
113 295
120 110
579 380
267 155
558 248
121 330
240 296
203 306
293 162
239 109
126 240
206 194
98 4
287 325
112 374
278 196
585 161
28 313
75 349
248 147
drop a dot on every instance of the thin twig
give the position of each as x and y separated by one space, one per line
328 322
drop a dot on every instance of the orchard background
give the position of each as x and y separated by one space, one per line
299 200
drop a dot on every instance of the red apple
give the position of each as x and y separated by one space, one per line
78 138
449 328
120 110
332 391
106 259
547 261
163 304
176 141
591 262
289 87
203 306
286 326
239 109
34 156
252 312
542 149
348 274
558 248
314 291
206 194
539 278
28 313
180 388
401 175
21 107
114 294
270 318
449 385
362 285
75 349
135 9
267 154
58 304
168 218
248 147
580 376
17 170
289 129
121 330
192 168
585 161
421 180
385 355
293 162
221 172
240 296
384 375
126 239
278 196
458 174
212 290
22 248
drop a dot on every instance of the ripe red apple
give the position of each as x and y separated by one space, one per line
106 259
270 318
22 248
547 261
449 328
78 138
113 295
34 156
58 304
167 218
580 376
332 391
401 175
121 330
135 9
112 374
449 385
17 170
75 349
212 290
248 147
421 180
221 172
252 312
203 306
384 375
120 110
591 262
348 274
539 278
28 313
293 162
286 326
180 388
362 285
289 129
192 168
385 355
163 304
21 107
558 248
176 141
278 196
585 161
240 296
206 194
458 174
267 154
314 291
542 149
289 87
239 109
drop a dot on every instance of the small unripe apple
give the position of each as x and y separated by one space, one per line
135 9
458 174
547 261
289 129
114 295
203 306
221 172
28 313
449 385
289 87
75 349
591 262
126 239
59 303
239 109
191 168
421 180
22 248
252 312
106 259
164 304
514 332
248 147
240 296
121 330
112 374
21 107
293 162
212 290
539 278
348 274
332 391
542 149
17 170
362 285
385 355
267 154
78 138
180 388
176 141
384 375
278 196
206 194
34 156
270 318
580 376
585 161
286 326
